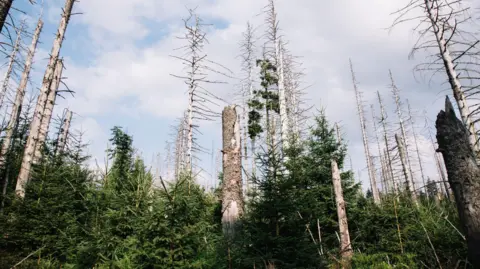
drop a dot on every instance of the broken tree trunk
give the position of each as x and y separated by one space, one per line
15 113
232 203
5 6
24 174
63 135
346 250
48 110
463 175
406 172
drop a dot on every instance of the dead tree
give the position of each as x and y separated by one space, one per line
408 179
63 134
232 198
247 48
407 165
346 250
11 63
371 169
15 112
375 130
24 174
197 68
420 163
463 175
442 32
48 110
387 145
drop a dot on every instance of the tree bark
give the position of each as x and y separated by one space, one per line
463 175
346 251
24 174
48 110
232 203
63 136
5 6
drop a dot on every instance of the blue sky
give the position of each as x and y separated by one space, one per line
117 59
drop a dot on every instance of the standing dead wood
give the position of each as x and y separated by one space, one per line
48 110
408 179
371 169
417 150
463 175
28 156
63 134
11 63
346 250
440 29
232 198
15 113
406 152
387 145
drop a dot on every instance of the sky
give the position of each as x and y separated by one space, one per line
118 61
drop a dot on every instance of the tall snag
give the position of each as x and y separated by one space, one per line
408 179
371 169
463 175
11 63
48 110
417 150
28 155
346 250
15 112
232 199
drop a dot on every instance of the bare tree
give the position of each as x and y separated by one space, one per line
48 110
417 150
406 165
20 94
463 175
387 145
375 130
28 156
371 169
406 172
197 67
5 6
11 63
440 27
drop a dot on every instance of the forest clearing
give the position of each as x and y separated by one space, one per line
240 134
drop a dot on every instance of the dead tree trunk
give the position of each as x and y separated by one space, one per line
463 175
412 123
408 179
232 203
371 172
63 135
5 6
48 110
15 113
346 250
11 63
28 155
387 146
